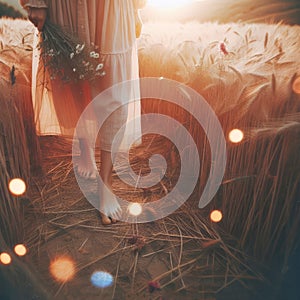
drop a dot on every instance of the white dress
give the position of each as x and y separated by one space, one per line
110 25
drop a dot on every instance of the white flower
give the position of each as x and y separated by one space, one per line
93 54
99 67
72 55
79 48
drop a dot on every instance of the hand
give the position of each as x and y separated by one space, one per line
37 16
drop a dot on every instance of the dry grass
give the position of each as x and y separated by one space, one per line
173 251
18 145
14 91
249 88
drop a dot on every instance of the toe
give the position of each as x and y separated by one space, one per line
93 174
105 220
113 221
116 215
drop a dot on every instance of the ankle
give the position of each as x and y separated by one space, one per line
107 182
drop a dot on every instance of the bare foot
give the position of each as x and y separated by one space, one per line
109 206
107 220
113 221
86 166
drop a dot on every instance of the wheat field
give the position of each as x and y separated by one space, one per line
249 86
247 74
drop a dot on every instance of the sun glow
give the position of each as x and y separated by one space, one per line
5 258
20 250
17 186
135 209
62 269
296 85
169 3
216 216
236 136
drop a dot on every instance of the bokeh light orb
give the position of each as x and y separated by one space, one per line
20 250
102 279
296 85
17 186
236 136
135 209
216 216
5 258
62 269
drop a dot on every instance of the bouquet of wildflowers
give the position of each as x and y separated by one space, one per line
66 57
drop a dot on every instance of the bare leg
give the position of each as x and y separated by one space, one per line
86 167
109 205
106 198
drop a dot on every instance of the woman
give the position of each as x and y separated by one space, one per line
110 26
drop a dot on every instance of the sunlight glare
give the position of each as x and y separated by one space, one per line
20 250
236 136
135 209
296 85
5 258
62 269
216 216
17 186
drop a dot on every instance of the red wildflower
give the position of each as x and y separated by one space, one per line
223 49
153 286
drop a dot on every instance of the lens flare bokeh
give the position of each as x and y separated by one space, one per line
216 216
296 85
17 186
102 279
62 269
135 209
236 136
5 258
20 250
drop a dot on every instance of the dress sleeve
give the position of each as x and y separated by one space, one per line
139 4
34 3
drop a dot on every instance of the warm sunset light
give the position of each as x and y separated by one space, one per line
296 85
62 269
17 186
20 250
216 216
169 3
5 258
236 136
135 209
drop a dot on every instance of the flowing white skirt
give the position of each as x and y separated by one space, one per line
58 106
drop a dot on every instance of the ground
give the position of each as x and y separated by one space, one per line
183 252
